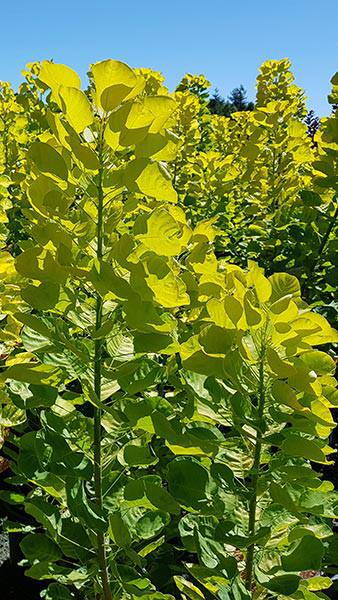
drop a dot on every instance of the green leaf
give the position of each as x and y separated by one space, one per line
216 340
105 280
160 498
76 107
35 323
42 395
194 359
138 375
284 394
54 75
283 285
145 492
151 179
113 81
283 584
205 536
320 362
310 198
223 475
280 495
233 309
161 233
83 508
281 367
151 546
37 546
188 482
12 497
151 524
158 147
303 447
261 283
45 570
31 373
86 156
128 125
169 290
305 555
145 317
155 342
10 414
136 453
189 589
45 513
118 531
48 160
153 596
43 297
161 108
252 314
56 591
74 541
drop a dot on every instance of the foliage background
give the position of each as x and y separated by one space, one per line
145 356
152 328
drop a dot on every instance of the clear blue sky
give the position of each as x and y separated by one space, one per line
225 40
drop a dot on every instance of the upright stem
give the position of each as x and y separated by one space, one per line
97 387
255 477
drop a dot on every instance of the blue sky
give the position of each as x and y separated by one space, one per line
225 40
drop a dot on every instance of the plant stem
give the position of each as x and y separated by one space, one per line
255 477
97 387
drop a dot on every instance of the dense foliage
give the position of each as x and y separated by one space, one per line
167 276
